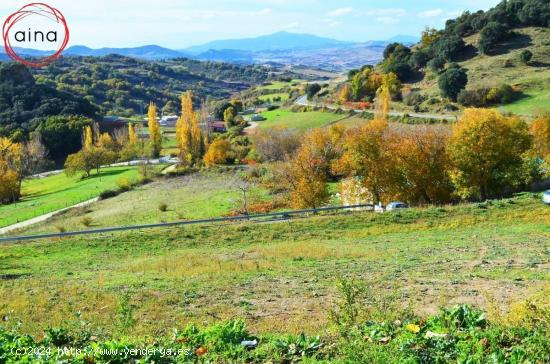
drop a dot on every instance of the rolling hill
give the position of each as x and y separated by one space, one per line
505 67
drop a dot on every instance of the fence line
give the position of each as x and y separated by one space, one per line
283 214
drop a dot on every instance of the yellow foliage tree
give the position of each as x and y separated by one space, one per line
540 129
486 149
367 157
219 152
10 169
344 94
88 137
155 137
188 132
132 134
421 157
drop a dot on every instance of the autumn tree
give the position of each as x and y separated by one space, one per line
88 139
190 139
540 129
10 164
34 159
219 152
422 164
367 157
486 149
344 94
155 137
132 134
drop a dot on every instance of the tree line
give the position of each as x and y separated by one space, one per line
484 155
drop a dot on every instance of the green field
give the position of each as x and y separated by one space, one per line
278 85
197 196
278 277
48 194
282 95
298 120
533 103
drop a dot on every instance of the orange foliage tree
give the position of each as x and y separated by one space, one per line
189 136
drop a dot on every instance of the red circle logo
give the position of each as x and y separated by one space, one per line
38 11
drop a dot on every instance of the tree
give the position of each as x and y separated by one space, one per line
344 94
423 165
10 166
132 134
450 47
155 137
229 117
312 89
87 139
188 133
452 81
525 56
219 152
367 157
540 129
490 35
486 149
62 135
429 36
306 174
276 144
34 159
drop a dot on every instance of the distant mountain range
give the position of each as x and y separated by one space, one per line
279 48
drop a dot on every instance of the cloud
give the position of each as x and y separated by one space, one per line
430 13
340 12
387 20
265 11
387 12
292 25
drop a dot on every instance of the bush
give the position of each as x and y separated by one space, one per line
108 194
437 64
525 56
413 98
163 207
86 221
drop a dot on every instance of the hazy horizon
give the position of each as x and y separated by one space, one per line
179 24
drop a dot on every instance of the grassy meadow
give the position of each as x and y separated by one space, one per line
43 195
278 277
298 120
197 196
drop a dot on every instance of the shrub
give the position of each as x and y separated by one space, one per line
437 64
525 56
86 221
413 98
108 194
163 207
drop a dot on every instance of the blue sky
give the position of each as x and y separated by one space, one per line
182 23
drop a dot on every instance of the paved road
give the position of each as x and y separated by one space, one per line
303 101
42 218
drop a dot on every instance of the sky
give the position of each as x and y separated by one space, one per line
178 24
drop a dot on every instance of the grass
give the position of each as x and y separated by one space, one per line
533 102
298 120
278 277
282 95
48 194
197 196
278 85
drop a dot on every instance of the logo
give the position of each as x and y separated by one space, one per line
37 27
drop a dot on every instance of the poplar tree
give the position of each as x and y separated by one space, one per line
155 138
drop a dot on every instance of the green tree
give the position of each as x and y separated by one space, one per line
452 81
